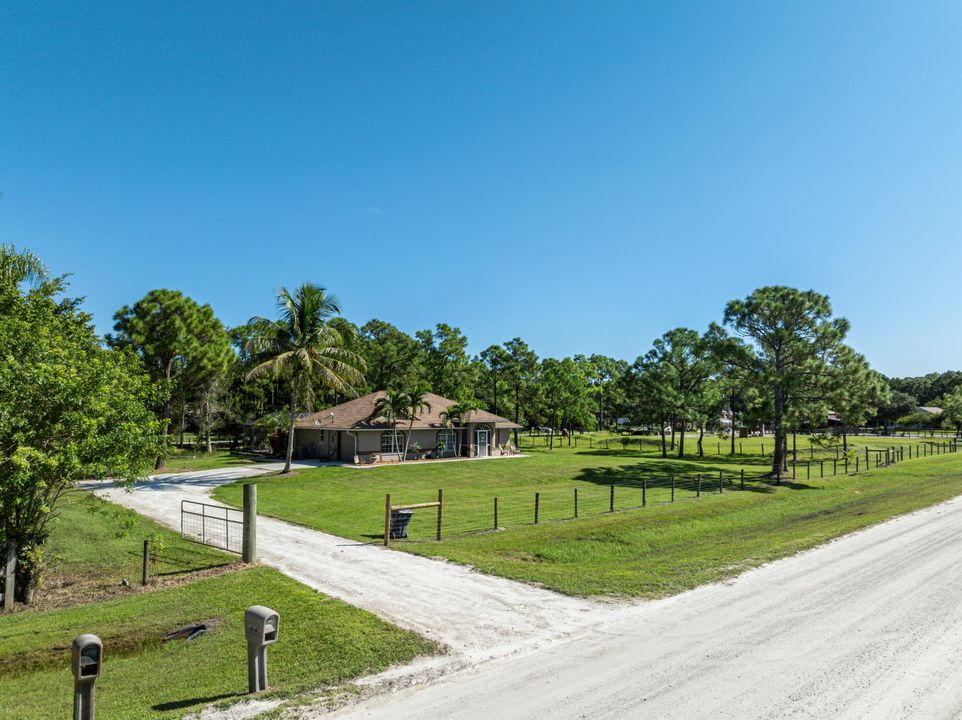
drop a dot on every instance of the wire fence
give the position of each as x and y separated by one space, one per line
460 516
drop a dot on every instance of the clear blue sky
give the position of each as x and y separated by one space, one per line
583 175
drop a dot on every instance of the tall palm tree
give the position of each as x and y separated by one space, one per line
303 346
415 404
454 417
391 406
18 266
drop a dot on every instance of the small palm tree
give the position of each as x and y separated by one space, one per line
414 405
303 346
391 406
454 417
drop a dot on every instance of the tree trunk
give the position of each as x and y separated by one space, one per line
407 440
701 438
664 446
845 438
731 409
778 460
517 409
681 438
673 433
290 442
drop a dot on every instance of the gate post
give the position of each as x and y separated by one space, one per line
249 547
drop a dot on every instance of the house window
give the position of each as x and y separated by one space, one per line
392 442
446 440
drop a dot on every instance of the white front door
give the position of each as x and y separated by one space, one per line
481 443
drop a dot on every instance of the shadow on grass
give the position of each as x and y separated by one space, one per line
191 702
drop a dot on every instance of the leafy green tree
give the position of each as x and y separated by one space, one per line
899 405
520 372
304 346
70 409
680 364
952 410
495 361
604 376
795 342
565 394
391 355
180 342
857 391
447 369
19 267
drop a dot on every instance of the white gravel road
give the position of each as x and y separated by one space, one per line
477 617
868 626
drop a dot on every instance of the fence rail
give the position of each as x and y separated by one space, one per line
593 497
213 525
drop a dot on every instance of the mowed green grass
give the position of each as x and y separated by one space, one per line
95 545
191 460
323 641
660 550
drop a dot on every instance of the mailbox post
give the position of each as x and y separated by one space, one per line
260 628
87 654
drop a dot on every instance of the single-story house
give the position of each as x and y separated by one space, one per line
352 432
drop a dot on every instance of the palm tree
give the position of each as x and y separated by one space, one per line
454 417
303 346
415 404
18 266
391 406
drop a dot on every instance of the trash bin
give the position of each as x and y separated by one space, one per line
399 523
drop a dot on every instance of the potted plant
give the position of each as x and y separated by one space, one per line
416 450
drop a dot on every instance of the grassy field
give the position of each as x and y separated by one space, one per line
190 460
95 545
323 641
663 549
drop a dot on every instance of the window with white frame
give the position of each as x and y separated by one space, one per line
392 442
446 440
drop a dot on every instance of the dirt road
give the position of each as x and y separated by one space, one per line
477 617
869 626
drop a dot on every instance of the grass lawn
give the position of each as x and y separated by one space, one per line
323 641
663 549
95 545
190 460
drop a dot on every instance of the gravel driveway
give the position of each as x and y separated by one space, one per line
867 626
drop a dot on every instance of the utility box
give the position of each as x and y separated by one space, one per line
260 628
87 654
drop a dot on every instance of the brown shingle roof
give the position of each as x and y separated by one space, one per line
356 415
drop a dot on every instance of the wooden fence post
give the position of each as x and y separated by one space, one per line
576 503
495 512
440 509
145 578
611 500
537 503
699 487
673 488
387 518
721 480
249 541
743 479
644 492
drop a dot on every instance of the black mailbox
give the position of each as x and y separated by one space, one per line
260 628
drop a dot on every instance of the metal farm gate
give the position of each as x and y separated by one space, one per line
214 525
